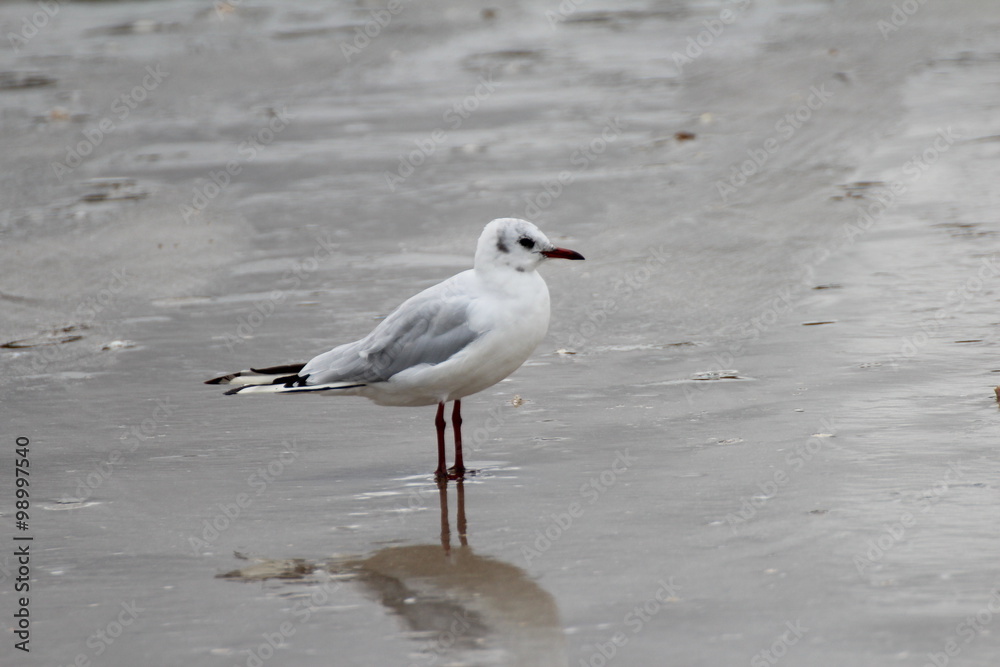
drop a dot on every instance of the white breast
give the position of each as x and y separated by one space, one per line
514 320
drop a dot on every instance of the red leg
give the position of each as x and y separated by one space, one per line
445 527
442 469
462 523
456 424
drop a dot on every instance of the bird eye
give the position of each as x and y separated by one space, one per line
526 242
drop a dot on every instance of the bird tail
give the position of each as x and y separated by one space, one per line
260 376
275 380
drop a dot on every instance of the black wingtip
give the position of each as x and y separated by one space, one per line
236 390
287 369
304 389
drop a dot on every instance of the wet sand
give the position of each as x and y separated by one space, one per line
762 427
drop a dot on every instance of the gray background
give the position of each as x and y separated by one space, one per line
825 493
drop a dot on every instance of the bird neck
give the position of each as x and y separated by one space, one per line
507 280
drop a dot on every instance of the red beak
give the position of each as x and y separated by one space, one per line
562 253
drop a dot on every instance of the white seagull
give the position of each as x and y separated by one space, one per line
447 342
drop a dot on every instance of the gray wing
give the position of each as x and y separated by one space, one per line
426 329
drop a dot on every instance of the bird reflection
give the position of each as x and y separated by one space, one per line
458 603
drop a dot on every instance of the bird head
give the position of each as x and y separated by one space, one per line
517 244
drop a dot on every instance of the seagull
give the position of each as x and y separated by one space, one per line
452 340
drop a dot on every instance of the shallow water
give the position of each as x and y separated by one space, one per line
762 427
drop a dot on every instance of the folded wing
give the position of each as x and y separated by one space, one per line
429 328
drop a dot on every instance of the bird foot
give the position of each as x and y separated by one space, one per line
453 473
